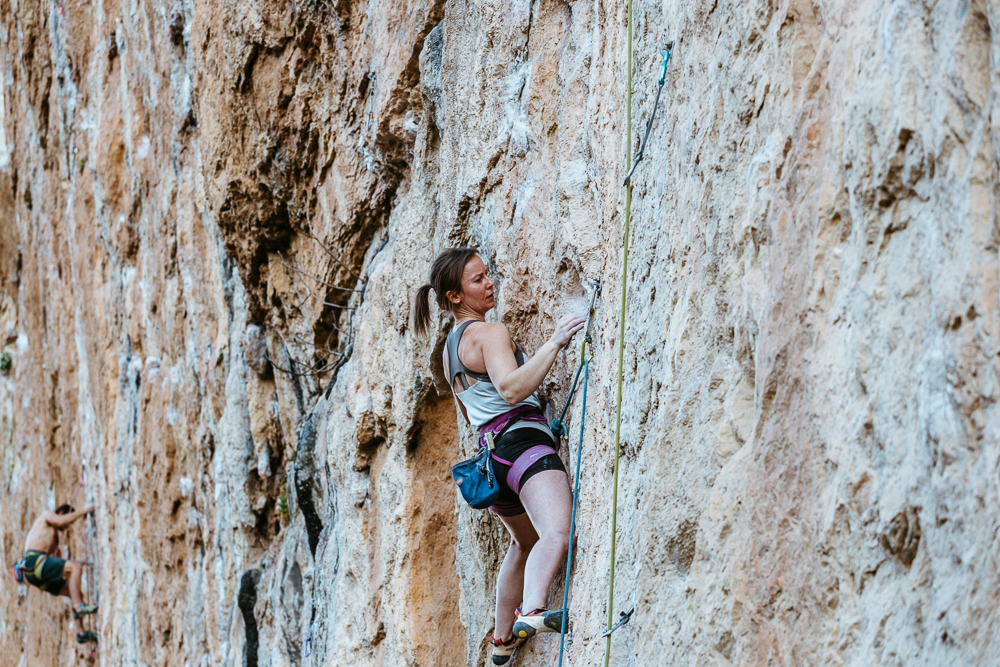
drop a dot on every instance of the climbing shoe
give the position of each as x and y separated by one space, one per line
502 650
85 637
540 620
84 610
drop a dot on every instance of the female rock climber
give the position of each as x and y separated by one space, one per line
496 385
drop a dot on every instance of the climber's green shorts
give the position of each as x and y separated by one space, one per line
50 577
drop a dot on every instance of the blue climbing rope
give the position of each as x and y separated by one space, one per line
572 524
559 428
558 425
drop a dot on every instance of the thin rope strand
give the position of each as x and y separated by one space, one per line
621 339
572 525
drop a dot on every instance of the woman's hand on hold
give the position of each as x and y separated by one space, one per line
566 328
516 383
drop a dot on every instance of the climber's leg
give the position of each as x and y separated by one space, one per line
510 582
547 498
72 573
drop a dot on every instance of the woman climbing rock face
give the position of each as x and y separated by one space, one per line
495 385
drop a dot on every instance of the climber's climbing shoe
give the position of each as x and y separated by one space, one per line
502 650
86 637
84 610
539 620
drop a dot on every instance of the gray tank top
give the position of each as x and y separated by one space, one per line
482 401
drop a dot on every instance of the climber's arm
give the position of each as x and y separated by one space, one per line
514 383
60 521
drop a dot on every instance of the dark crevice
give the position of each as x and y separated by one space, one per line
245 79
336 371
247 600
296 380
305 473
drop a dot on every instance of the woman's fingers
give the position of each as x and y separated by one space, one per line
575 322
567 327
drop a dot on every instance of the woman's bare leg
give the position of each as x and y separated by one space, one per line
548 500
510 582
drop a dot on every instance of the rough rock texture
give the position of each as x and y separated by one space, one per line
213 215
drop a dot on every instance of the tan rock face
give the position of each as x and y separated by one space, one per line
214 216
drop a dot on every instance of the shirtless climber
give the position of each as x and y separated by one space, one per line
41 568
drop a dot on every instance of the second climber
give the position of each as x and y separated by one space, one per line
43 569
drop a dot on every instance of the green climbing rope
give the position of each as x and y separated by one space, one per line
621 336
665 51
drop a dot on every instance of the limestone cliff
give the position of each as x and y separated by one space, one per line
213 215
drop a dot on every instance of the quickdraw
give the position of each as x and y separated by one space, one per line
371 100
665 51
622 620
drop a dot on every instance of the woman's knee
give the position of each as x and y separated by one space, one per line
522 546
558 539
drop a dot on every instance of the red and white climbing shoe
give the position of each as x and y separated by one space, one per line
502 650
539 620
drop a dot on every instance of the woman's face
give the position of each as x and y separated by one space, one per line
477 288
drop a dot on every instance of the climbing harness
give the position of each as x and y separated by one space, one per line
26 573
627 184
665 51
560 424
476 478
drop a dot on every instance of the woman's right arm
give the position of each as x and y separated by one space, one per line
515 384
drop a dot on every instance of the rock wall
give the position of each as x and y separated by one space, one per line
213 215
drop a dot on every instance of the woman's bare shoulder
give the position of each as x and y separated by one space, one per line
491 332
